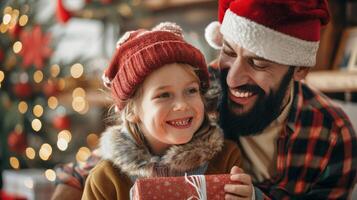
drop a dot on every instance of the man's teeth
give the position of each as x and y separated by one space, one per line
242 94
180 122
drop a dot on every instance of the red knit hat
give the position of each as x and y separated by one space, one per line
283 31
141 52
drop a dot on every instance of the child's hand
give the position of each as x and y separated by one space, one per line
243 189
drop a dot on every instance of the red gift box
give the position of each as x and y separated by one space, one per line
173 188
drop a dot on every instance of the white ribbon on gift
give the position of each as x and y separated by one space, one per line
199 183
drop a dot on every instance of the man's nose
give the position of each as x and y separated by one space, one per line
238 73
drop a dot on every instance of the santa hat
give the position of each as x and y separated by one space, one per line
142 51
283 31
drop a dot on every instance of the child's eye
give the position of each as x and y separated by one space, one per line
164 95
192 90
229 53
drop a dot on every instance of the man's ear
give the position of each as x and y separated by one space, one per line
300 73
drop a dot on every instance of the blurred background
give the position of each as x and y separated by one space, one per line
53 106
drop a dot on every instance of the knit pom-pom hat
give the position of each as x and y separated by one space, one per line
140 52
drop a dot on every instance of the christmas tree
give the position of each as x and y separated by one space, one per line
42 101
35 126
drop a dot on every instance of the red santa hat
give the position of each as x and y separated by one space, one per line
283 31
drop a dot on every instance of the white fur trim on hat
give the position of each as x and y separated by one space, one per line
268 43
170 27
123 38
213 35
106 81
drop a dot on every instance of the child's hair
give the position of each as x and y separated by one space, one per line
141 52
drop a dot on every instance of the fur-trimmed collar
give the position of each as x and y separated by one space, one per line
118 146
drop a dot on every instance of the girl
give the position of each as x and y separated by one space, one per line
158 81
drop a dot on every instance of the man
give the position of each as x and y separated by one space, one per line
296 143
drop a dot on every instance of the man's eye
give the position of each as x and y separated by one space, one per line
258 64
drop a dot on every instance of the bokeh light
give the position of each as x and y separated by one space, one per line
50 175
17 47
82 154
65 134
62 144
45 151
61 84
14 162
77 70
2 76
38 110
38 76
79 104
22 107
78 92
6 19
52 102
23 20
30 153
55 70
92 140
36 125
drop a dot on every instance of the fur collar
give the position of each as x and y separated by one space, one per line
118 146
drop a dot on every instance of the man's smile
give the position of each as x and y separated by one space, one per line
242 96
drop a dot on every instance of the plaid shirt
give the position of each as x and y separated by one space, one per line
317 153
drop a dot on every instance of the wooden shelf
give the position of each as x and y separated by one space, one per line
333 81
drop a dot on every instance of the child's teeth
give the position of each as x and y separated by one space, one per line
180 123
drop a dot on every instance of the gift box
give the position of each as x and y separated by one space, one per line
29 184
209 187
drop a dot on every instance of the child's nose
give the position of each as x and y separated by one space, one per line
180 104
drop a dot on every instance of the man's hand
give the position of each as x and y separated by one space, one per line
243 189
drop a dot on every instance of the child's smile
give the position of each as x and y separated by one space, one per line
181 123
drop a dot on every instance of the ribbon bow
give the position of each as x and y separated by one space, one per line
199 183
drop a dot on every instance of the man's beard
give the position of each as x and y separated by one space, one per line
264 111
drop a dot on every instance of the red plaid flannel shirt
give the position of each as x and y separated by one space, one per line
317 151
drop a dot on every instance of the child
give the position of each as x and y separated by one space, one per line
157 81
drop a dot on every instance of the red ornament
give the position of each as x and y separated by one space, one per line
22 90
5 196
62 122
35 47
17 142
1 55
63 15
15 31
50 88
